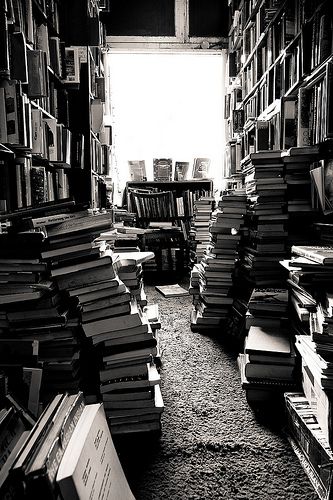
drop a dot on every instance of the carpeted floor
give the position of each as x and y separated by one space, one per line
212 445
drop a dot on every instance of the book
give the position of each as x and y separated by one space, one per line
137 170
171 290
268 300
201 168
268 371
114 324
265 340
85 277
320 254
181 170
90 468
162 169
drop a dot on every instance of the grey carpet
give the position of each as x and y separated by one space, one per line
212 445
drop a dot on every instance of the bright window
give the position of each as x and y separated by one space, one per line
166 106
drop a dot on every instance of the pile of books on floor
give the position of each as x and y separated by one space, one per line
267 218
215 272
267 366
118 353
202 209
130 272
49 458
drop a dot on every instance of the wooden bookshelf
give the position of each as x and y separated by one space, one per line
185 191
52 72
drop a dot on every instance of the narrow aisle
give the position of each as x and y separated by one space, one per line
211 447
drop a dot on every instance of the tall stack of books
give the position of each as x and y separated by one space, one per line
301 210
119 348
216 269
74 260
266 244
128 378
202 209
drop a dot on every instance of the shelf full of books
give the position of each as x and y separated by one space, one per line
40 104
278 89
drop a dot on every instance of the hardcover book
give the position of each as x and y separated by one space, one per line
162 169
137 170
181 170
320 254
201 168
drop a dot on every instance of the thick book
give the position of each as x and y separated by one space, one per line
320 254
108 325
85 277
267 371
270 341
268 299
90 468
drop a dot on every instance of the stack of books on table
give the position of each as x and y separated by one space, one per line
299 196
268 364
202 208
49 458
267 218
216 269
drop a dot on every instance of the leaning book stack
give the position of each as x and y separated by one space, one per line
216 269
302 212
202 209
267 218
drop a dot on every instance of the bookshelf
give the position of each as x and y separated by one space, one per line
169 209
279 77
53 145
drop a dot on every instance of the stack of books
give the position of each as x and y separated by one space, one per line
202 208
130 272
267 217
120 346
216 269
299 196
35 321
128 378
268 364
